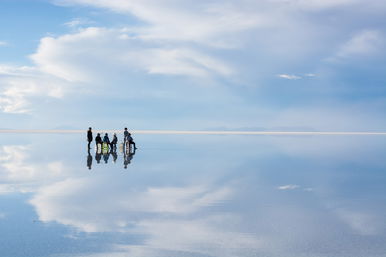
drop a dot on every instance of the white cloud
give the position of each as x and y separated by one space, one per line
18 85
364 43
363 223
209 236
201 22
211 40
289 76
321 4
19 175
76 22
3 43
94 52
288 187
56 203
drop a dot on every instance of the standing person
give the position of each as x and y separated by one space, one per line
114 142
89 137
125 135
98 140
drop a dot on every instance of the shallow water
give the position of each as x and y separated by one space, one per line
194 195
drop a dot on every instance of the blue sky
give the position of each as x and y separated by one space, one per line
168 64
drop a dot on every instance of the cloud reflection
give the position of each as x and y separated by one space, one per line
182 200
21 173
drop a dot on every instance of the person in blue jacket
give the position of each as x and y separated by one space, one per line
106 139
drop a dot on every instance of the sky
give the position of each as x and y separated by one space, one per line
315 65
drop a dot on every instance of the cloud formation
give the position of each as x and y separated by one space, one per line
288 187
288 76
172 49
20 85
18 174
364 43
77 22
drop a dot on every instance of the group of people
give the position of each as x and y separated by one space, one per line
127 141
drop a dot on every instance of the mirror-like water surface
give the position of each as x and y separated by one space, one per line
194 195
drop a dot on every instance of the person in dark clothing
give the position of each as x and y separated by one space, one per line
89 137
106 142
114 143
106 139
131 141
89 159
98 140
125 136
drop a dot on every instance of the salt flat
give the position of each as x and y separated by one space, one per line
193 195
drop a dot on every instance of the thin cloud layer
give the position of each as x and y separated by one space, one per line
364 43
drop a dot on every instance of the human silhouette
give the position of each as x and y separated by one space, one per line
89 159
128 140
106 141
114 142
98 141
89 137
125 136
131 141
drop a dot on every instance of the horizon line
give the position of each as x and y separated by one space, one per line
191 132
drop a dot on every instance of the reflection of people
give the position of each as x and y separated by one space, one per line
115 156
89 137
127 157
106 156
89 159
98 155
98 140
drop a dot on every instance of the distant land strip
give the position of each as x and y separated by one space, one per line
189 132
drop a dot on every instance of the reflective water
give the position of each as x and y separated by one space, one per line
194 195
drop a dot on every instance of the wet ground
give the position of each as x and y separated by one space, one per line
193 195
